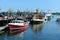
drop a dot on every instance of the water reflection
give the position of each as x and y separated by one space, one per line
12 34
37 27
18 36
1 36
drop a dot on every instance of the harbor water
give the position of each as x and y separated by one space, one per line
49 30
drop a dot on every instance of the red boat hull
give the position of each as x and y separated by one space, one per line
17 29
17 26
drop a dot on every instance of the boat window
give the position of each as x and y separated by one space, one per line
12 21
22 22
17 21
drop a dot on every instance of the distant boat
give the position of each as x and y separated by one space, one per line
17 25
58 18
3 20
48 16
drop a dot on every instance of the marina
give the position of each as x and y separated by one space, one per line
49 30
27 26
30 20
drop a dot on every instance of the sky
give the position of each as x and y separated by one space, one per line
30 5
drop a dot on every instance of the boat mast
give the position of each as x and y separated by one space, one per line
48 11
36 14
24 16
0 10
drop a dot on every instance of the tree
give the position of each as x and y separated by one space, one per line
18 12
10 12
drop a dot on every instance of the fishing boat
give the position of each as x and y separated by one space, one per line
4 20
37 18
17 26
36 21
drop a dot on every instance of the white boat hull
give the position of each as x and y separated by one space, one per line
36 21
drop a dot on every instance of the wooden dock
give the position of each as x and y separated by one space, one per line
2 29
